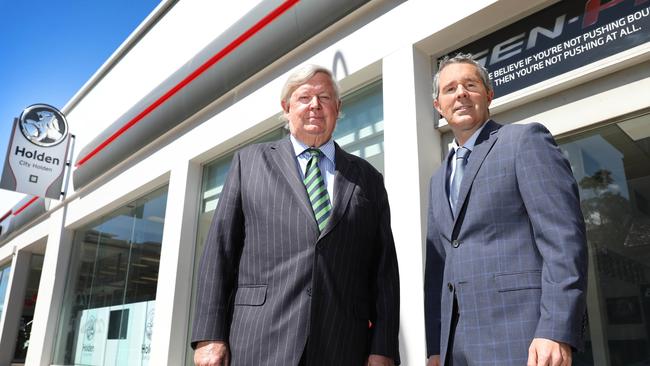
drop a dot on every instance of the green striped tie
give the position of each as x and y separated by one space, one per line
316 190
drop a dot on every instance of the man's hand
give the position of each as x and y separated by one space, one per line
378 360
546 352
212 353
434 360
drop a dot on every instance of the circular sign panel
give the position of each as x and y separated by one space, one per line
43 125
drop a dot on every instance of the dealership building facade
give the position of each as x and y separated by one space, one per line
107 274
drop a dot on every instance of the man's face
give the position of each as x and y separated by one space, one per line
463 99
312 110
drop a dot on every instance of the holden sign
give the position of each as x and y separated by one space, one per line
36 156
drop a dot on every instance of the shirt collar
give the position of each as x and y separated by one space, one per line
327 148
469 144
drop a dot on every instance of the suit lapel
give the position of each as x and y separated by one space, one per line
344 178
484 143
283 156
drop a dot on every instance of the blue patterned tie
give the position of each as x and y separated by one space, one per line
316 190
462 153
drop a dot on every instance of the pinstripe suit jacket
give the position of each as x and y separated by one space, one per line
268 281
514 256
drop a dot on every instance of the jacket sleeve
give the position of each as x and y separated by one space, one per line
550 195
219 262
433 274
385 339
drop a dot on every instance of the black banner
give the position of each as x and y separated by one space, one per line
560 38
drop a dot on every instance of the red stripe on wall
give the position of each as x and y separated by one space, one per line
5 216
18 211
212 61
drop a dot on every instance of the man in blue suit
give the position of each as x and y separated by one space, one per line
506 258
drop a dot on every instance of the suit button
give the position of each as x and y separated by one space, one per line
309 292
450 287
455 243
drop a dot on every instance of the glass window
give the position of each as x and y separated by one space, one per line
25 327
361 129
360 132
4 282
109 302
612 167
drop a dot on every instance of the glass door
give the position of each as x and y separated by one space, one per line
612 167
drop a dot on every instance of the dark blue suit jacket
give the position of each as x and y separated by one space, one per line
515 257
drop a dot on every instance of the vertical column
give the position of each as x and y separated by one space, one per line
175 273
14 299
50 291
412 152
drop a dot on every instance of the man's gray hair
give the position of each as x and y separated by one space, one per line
301 76
461 58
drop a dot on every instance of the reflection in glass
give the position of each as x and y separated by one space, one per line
361 129
612 167
25 327
114 270
4 282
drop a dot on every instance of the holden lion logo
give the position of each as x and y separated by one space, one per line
89 328
43 125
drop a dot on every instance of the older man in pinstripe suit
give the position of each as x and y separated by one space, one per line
299 266
506 259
